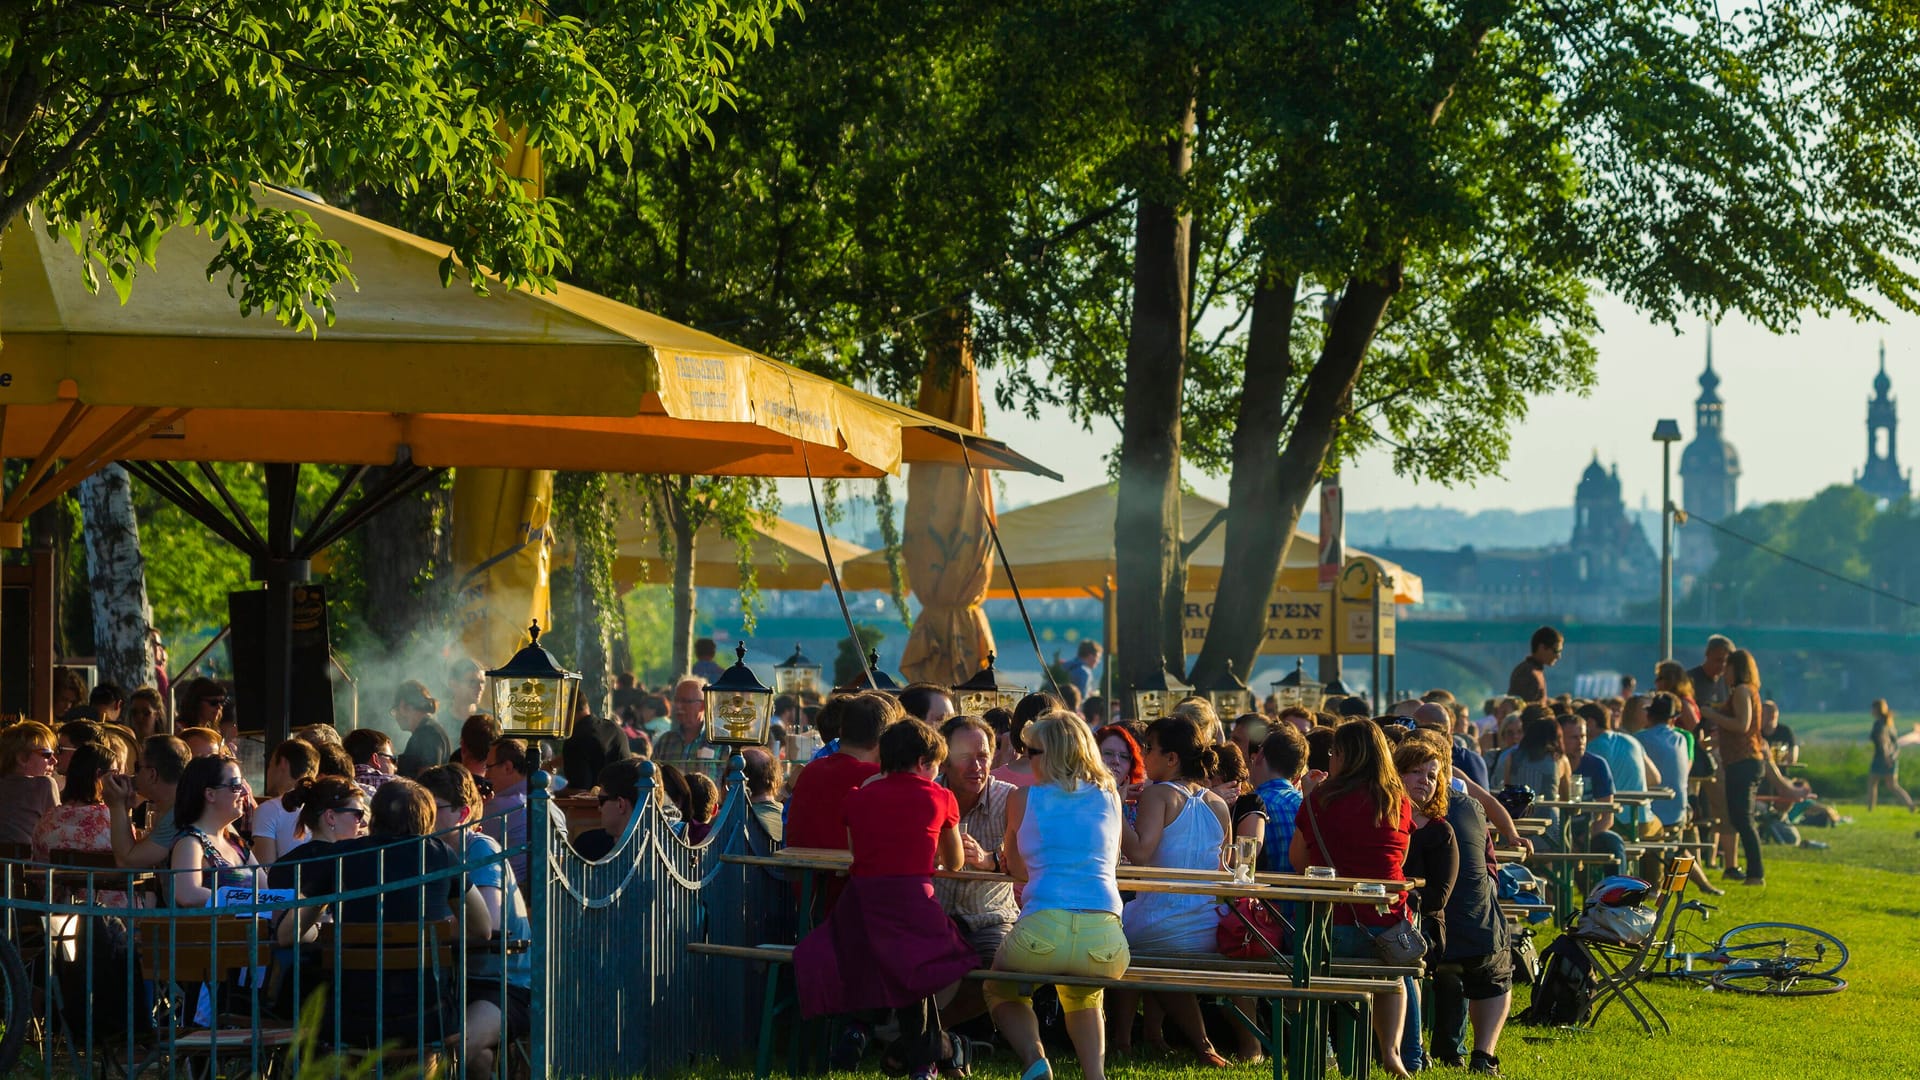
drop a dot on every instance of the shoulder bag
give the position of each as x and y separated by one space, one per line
1400 943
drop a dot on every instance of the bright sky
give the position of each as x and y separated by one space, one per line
1796 411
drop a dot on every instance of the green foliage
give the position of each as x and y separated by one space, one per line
647 612
123 120
1840 531
850 657
890 543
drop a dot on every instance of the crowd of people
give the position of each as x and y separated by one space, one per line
1045 801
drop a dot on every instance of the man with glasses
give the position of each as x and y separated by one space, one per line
373 759
162 759
508 766
465 684
687 741
1528 683
70 735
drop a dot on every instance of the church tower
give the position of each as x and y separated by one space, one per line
1709 474
1882 478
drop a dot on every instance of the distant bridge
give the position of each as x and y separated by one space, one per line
1485 647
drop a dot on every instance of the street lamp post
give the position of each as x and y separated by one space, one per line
1666 433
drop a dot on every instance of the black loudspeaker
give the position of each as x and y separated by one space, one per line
16 648
311 684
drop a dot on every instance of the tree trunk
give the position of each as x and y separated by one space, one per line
122 619
679 519
1147 516
404 550
1268 490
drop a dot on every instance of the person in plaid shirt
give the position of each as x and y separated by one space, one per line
1277 769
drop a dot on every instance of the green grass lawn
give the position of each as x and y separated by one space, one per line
1862 890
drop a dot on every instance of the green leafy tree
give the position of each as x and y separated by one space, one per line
122 120
1416 198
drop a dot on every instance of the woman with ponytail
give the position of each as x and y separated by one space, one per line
1182 825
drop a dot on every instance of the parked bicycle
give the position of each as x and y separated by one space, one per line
1769 958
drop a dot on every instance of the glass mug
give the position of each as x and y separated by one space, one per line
1246 849
1320 872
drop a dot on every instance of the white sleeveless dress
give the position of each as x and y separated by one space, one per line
1168 922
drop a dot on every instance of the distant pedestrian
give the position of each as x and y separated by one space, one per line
1886 758
1080 670
704 664
1528 682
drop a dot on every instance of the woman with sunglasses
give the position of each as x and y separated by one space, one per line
208 854
329 810
27 787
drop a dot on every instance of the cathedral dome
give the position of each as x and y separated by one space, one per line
1710 455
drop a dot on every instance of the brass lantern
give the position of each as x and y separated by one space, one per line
533 695
880 681
796 675
1230 696
739 705
986 691
1298 688
1157 694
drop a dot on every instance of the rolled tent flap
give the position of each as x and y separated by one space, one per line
502 554
946 545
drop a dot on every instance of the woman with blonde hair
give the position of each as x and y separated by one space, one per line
1886 758
1201 712
27 787
1422 761
1063 840
1741 746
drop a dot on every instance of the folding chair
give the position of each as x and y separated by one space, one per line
1621 968
185 954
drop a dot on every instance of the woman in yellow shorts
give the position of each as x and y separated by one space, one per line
1063 838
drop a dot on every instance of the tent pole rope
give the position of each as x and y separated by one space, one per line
826 550
1019 601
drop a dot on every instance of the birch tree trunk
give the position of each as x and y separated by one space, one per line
117 578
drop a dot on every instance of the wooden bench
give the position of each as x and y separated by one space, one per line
1345 969
1303 1010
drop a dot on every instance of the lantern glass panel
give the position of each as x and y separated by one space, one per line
1231 703
533 707
1151 705
796 676
738 717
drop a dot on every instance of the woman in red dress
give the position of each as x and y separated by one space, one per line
888 944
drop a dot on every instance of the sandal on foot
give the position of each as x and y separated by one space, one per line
1039 1070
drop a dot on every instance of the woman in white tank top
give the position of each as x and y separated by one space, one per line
1181 825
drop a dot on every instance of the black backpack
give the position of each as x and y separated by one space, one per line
1564 994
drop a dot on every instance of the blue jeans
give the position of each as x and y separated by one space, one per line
1412 1053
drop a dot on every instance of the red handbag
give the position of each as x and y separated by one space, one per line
1241 939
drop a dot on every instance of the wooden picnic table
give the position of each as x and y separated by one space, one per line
1314 899
1643 797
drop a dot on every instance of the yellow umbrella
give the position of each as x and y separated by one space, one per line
1063 548
410 373
948 550
562 380
784 555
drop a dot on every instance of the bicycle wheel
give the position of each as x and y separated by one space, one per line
16 1005
1779 983
1820 952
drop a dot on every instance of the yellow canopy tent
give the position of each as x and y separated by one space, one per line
1063 548
785 555
410 374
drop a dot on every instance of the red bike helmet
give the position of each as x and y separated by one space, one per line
1619 891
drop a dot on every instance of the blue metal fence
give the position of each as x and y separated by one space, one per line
115 985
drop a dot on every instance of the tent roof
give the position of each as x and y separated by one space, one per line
785 555
1064 548
566 379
